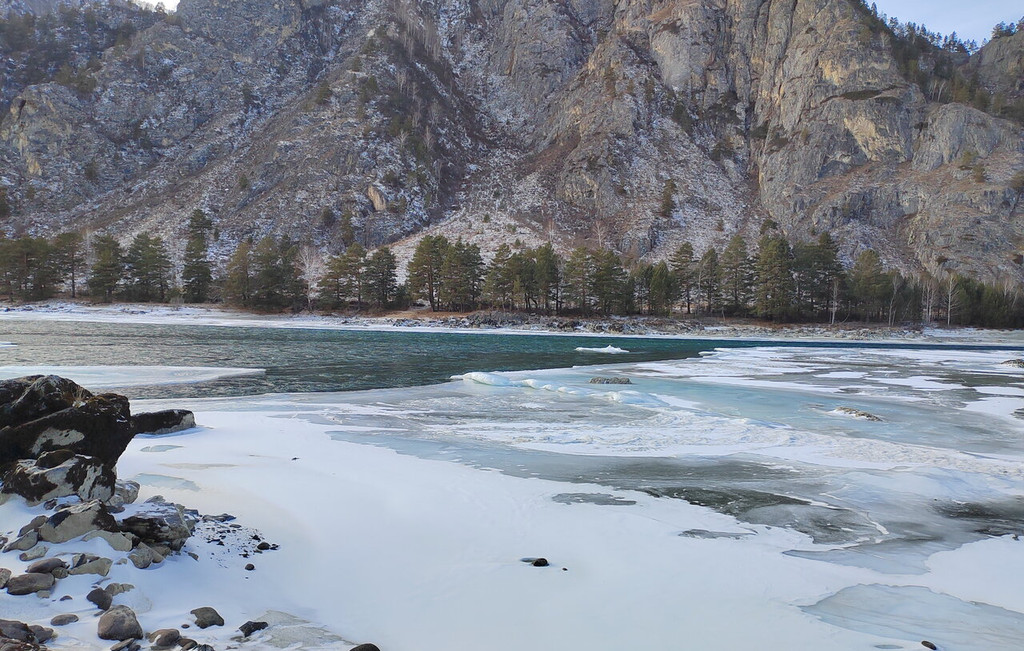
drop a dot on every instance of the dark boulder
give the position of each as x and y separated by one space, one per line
63 619
46 566
27 398
163 422
159 522
207 617
98 426
14 630
250 627
365 647
38 481
119 623
164 638
101 598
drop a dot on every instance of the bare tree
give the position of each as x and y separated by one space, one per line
312 267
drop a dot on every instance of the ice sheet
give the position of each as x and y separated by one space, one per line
108 377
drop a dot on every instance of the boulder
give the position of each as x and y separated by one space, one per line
164 638
15 630
100 597
34 553
5 576
46 566
119 623
97 426
159 522
126 645
125 492
163 422
24 543
250 627
64 619
365 647
29 583
100 566
76 520
206 617
117 541
27 398
143 556
42 633
86 477
610 380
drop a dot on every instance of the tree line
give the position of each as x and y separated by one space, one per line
775 279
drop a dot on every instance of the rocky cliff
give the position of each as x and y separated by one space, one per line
632 124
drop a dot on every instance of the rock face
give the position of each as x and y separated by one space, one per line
28 583
636 124
47 413
37 481
76 520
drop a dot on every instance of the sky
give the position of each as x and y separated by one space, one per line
969 19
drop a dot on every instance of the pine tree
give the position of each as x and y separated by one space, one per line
69 258
869 284
461 276
425 268
709 280
196 272
683 273
774 277
499 283
609 283
380 277
108 269
579 279
661 291
238 276
736 275
148 268
547 264
343 282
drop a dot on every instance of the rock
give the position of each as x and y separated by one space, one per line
63 620
251 627
857 413
540 562
365 647
163 422
928 645
15 630
207 616
187 643
126 645
610 380
86 477
101 598
33 525
29 583
115 589
5 575
142 556
91 425
119 623
46 566
1015 363
159 522
76 520
24 543
36 552
42 633
125 492
263 546
100 566
249 567
27 398
117 541
164 637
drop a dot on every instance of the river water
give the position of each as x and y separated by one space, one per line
881 455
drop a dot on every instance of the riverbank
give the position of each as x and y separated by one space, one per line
507 323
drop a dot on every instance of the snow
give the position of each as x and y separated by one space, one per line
109 377
609 350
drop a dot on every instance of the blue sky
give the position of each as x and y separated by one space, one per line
970 20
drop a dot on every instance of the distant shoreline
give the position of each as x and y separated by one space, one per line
505 323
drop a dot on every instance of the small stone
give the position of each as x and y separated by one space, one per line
66 597
187 643
29 583
47 565
126 645
204 647
100 597
60 573
250 567
365 647
207 617
263 546
36 552
928 645
164 637
119 623
540 562
5 576
64 620
43 594
250 627
115 589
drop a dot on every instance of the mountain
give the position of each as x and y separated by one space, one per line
632 124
